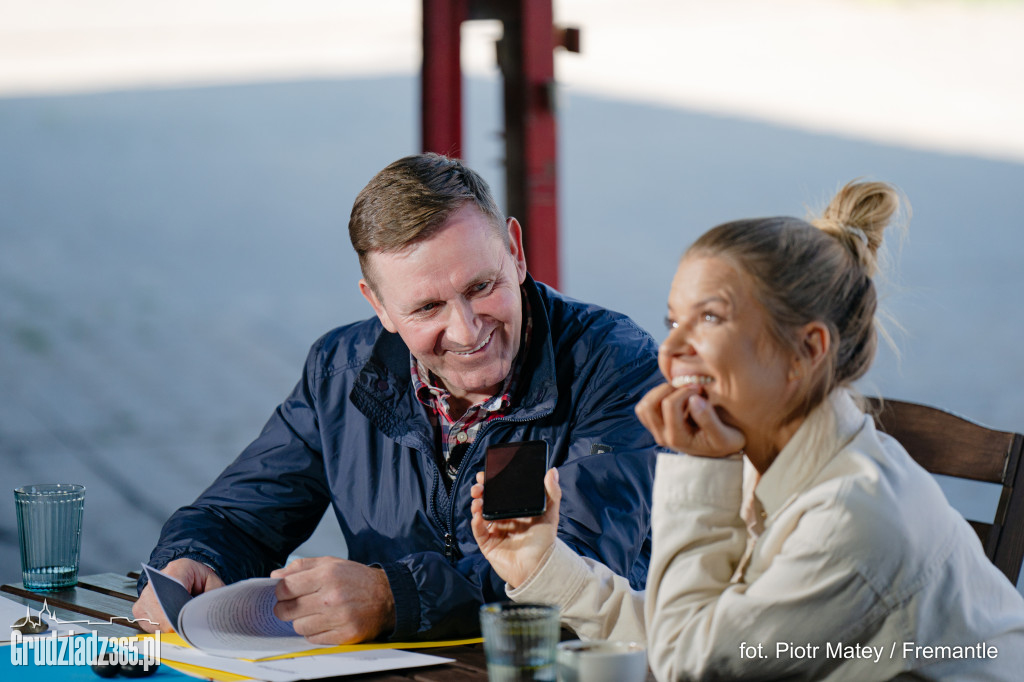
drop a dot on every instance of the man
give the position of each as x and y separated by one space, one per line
393 415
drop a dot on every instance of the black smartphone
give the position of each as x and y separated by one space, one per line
514 480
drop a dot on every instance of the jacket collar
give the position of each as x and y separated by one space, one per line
538 390
825 431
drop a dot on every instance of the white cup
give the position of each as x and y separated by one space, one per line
601 660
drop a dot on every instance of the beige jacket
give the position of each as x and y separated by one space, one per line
850 565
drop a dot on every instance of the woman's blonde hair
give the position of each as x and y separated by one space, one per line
821 271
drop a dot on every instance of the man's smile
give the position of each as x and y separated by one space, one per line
480 347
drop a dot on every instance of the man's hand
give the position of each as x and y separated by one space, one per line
197 577
515 547
335 601
682 419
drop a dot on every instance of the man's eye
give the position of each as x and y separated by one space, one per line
482 286
711 317
428 308
671 324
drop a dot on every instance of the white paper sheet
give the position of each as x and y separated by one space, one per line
233 621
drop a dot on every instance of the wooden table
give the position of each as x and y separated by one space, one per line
109 597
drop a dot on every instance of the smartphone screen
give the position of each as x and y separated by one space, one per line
514 480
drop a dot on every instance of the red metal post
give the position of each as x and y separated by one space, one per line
530 130
441 95
525 55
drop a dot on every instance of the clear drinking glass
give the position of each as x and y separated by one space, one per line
520 641
50 534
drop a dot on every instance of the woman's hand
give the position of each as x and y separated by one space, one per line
515 547
682 419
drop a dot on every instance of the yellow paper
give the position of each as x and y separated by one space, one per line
175 639
208 673
344 648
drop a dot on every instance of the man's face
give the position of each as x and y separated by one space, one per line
455 300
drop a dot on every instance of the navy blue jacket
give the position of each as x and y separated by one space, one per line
353 435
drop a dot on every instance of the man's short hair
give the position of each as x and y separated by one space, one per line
412 199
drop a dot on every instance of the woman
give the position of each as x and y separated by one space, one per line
793 539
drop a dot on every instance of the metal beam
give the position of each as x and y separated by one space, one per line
525 56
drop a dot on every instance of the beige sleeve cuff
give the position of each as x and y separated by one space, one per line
556 579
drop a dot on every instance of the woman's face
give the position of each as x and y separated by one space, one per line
719 342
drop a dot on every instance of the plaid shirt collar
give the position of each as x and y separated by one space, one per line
435 397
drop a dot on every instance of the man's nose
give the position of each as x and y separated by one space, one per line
463 325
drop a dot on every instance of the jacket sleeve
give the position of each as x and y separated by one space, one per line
594 602
436 600
263 506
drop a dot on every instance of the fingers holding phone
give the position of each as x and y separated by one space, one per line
522 503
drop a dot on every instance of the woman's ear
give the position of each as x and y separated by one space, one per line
815 341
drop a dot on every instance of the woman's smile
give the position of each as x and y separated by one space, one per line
691 380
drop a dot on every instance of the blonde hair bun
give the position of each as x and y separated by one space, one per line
858 215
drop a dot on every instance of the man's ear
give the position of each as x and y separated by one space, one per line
378 306
515 246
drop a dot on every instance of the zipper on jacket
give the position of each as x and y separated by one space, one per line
451 547
447 522
449 536
438 518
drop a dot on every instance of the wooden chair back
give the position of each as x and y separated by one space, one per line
947 444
